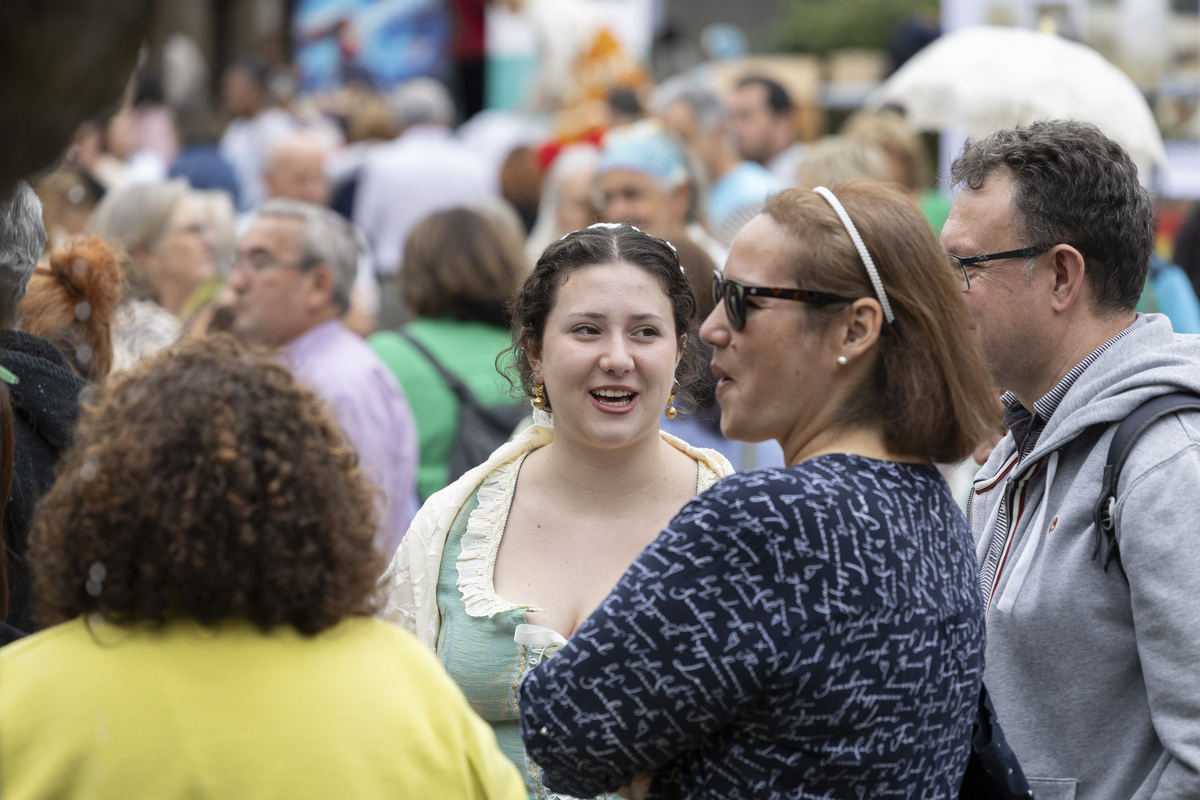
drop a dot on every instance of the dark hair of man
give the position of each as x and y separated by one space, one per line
255 70
1073 185
196 122
778 99
597 247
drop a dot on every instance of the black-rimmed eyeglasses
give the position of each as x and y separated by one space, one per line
734 296
257 262
959 263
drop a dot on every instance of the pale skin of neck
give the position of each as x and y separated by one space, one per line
855 336
1078 333
173 298
857 441
319 318
579 518
821 434
723 161
595 476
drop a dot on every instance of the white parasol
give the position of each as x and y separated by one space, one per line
985 78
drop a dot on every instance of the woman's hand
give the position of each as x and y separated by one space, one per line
637 788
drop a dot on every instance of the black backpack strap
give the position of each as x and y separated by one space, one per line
464 395
1123 440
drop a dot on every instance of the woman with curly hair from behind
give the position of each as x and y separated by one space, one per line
206 562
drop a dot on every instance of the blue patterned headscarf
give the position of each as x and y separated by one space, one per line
644 148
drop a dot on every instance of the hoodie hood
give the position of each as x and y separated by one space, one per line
1155 362
46 395
1071 648
45 408
1147 363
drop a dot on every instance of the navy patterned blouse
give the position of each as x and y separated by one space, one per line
810 632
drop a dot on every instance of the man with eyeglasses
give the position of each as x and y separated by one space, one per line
292 280
1093 649
296 170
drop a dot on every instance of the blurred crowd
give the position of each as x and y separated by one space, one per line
173 185
280 371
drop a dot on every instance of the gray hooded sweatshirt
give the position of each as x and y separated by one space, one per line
1096 681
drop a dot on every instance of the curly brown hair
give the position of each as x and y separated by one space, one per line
206 483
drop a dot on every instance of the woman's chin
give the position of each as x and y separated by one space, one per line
739 429
730 428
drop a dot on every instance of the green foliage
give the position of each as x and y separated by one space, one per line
819 26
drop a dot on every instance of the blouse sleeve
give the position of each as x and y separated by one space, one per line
689 636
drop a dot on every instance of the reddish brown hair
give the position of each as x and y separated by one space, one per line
71 303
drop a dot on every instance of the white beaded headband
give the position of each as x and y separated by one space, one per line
627 225
872 273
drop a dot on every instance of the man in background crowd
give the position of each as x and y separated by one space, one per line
735 188
763 118
296 169
254 123
426 169
643 179
292 282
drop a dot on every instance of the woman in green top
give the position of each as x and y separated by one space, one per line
458 273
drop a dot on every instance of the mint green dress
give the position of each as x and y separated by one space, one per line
476 639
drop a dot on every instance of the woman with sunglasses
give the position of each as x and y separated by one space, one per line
526 545
816 630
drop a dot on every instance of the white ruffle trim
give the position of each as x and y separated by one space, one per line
481 542
398 612
706 476
485 527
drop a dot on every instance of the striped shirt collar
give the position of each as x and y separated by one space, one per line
1026 427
